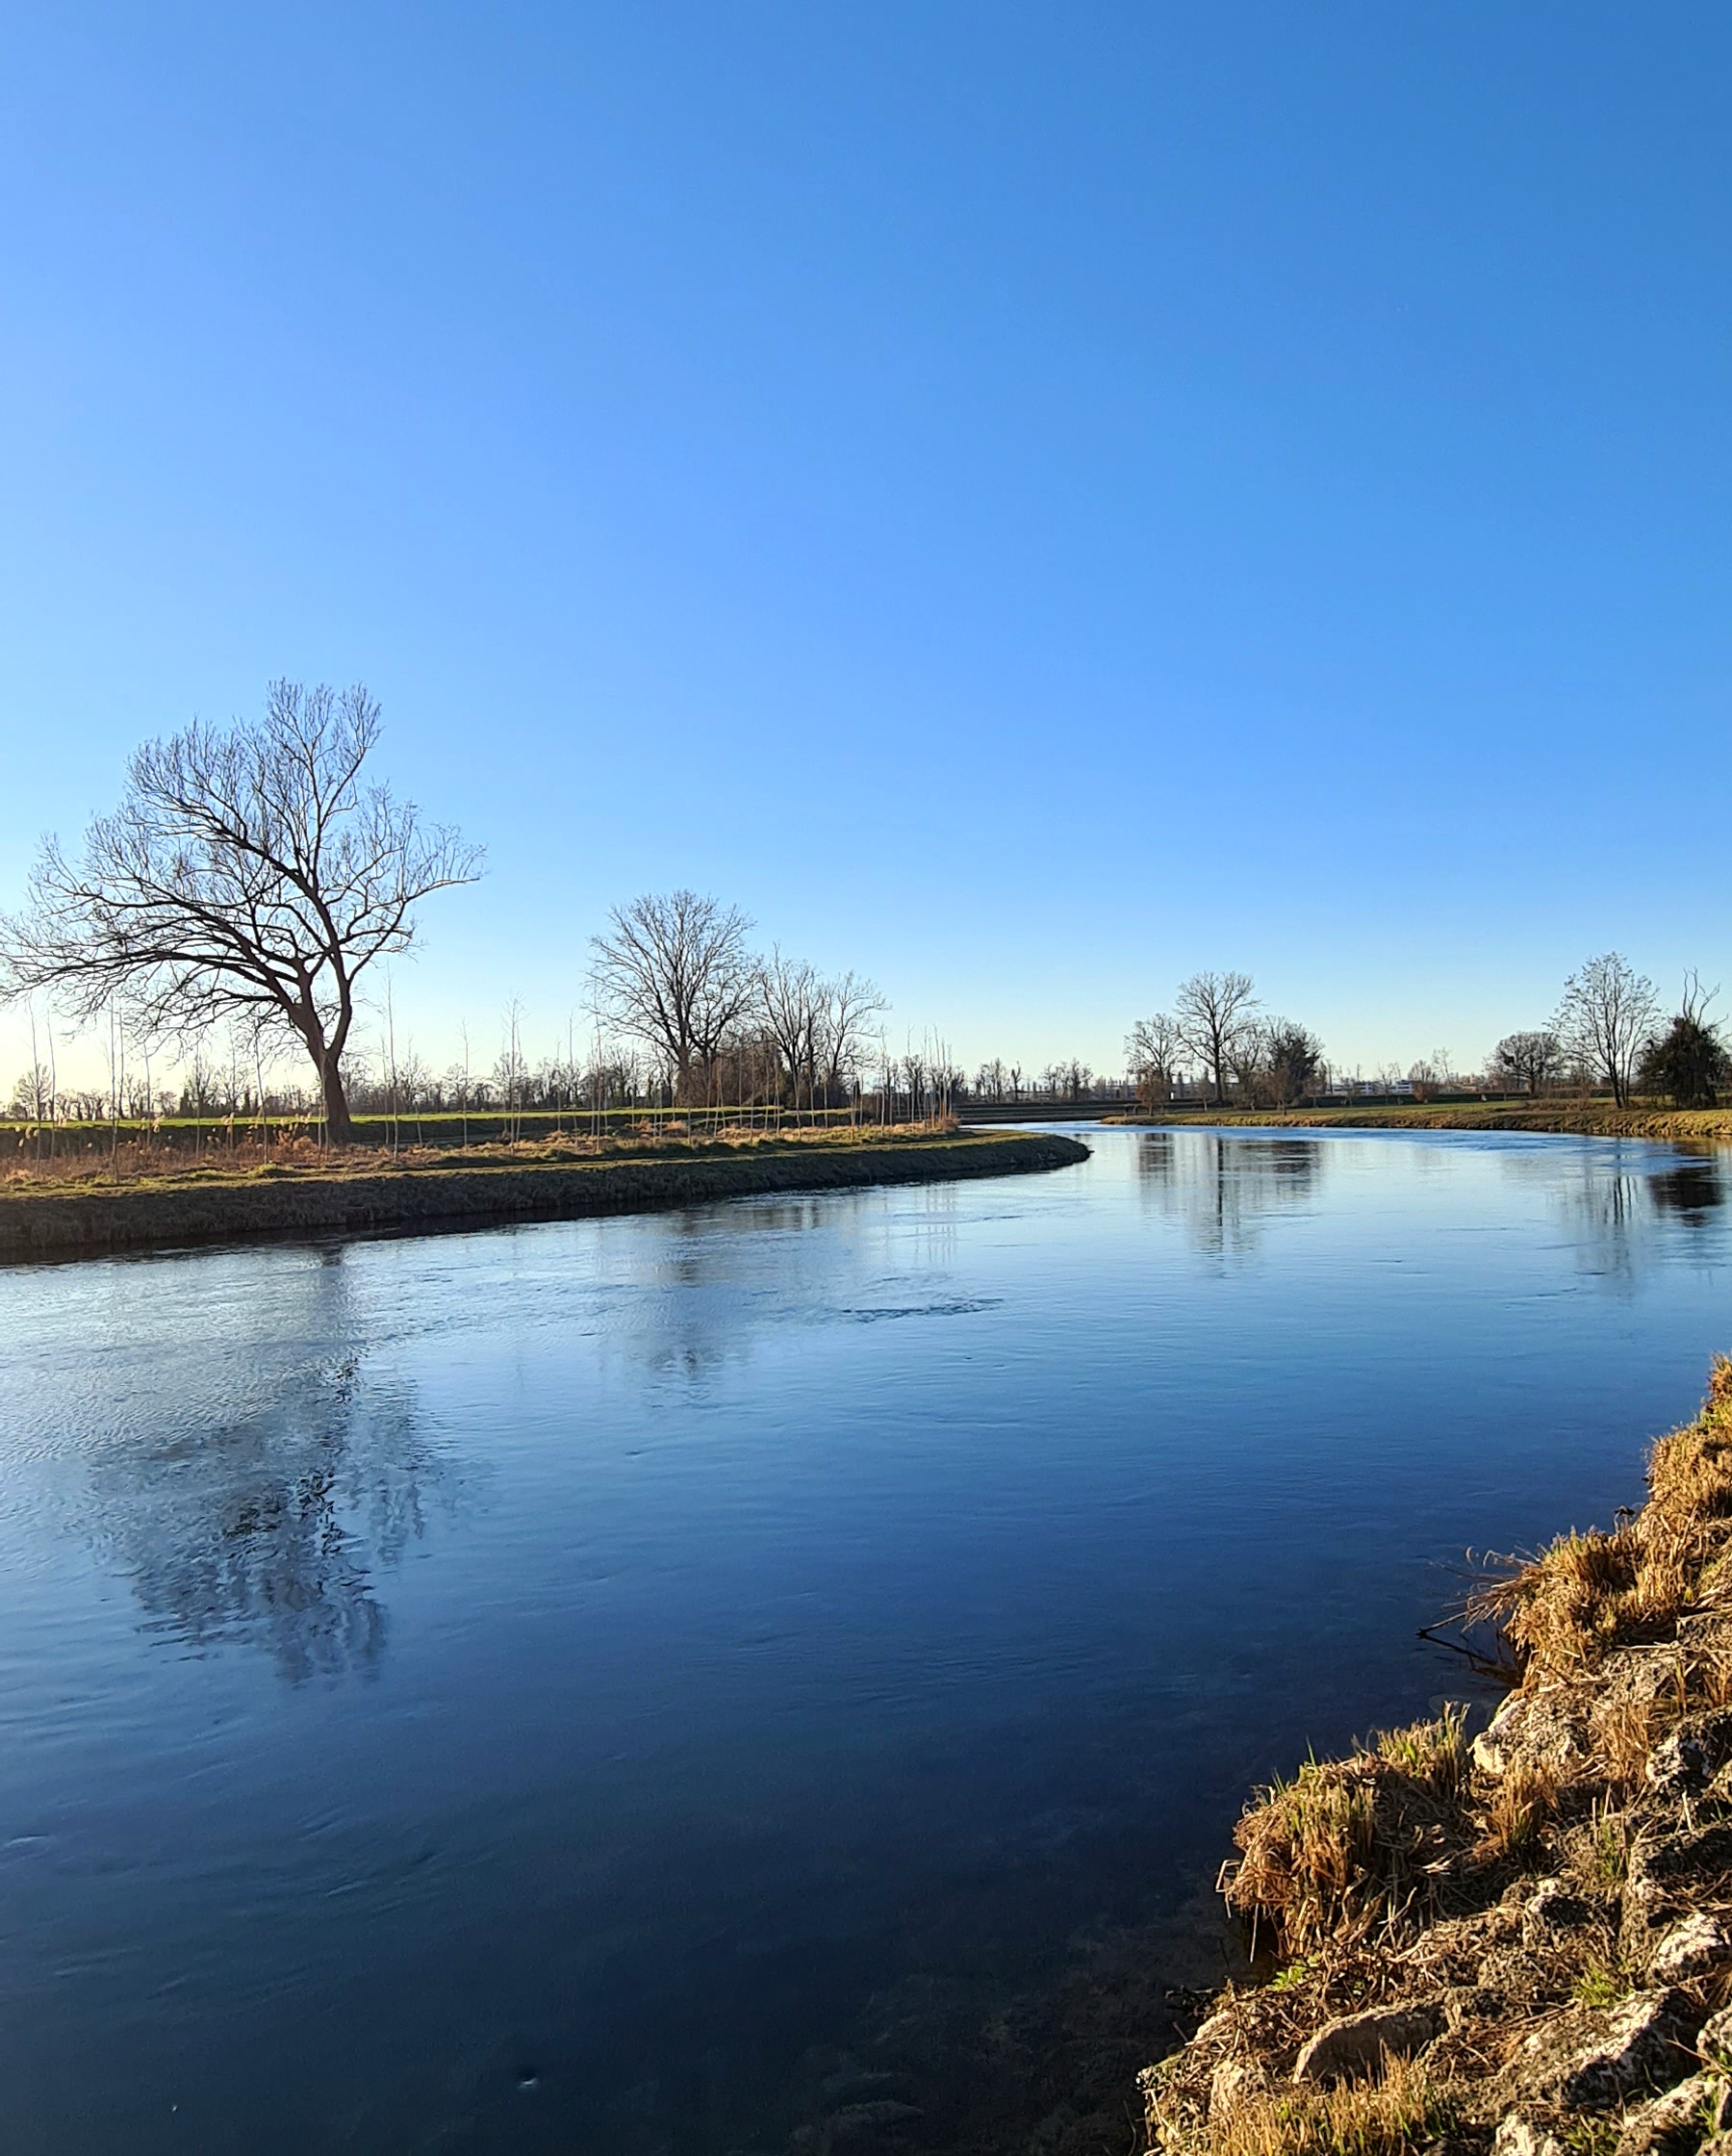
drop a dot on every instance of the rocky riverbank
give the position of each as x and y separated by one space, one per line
1519 1945
60 1222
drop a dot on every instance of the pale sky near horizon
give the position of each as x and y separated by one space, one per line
1027 502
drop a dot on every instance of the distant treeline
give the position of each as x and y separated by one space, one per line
1610 1033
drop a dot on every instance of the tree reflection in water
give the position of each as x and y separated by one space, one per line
1692 1191
1614 1200
1227 1187
691 1292
268 1525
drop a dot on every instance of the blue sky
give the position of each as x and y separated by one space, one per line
1027 502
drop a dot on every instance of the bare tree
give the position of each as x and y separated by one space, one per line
675 974
989 1080
850 1003
1152 1052
1530 1061
914 1076
790 998
1605 1016
249 874
1213 1011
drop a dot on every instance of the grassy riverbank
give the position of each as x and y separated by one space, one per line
372 1193
1588 1119
1520 1946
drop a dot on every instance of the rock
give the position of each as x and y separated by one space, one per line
1641 2046
1702 1855
1230 2083
1516 2135
1359 2043
1671 2122
1537 1727
1551 1906
1689 1756
1669 1871
1713 2040
1692 1948
1465 2004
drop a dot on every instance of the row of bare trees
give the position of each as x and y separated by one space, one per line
676 974
1217 1024
253 875
1610 1030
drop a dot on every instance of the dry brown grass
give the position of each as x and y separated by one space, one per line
1625 1731
1524 1800
243 1154
1562 1612
1354 1848
1383 2115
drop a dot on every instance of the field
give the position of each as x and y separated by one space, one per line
1588 1119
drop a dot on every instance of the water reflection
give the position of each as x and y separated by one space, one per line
689 1293
1609 1202
272 1531
1225 1188
248 1481
1692 1189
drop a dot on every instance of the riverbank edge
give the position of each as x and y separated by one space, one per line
91 1222
1519 1945
1580 1119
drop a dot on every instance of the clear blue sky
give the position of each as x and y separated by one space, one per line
1026 500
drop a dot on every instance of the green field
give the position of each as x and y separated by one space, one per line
1589 1119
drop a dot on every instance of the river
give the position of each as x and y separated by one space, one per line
775 1677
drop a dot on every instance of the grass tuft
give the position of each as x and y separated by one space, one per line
1354 1847
1522 1803
1567 1609
1599 1984
1386 2116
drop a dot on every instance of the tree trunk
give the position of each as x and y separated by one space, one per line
340 1128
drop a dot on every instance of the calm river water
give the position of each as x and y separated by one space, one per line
778 1676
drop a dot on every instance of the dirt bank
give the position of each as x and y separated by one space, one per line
61 1223
1521 1945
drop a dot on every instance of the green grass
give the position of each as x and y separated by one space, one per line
1593 1119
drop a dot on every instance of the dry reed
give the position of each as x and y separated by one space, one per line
1383 2115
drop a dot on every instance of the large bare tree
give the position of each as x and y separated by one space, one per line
1213 1011
250 872
674 972
1605 1016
